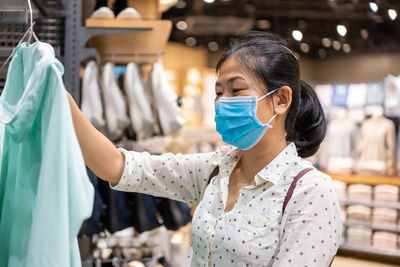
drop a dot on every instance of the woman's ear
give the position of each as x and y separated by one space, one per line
282 100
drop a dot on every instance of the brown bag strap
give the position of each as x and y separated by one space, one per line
292 187
290 193
214 173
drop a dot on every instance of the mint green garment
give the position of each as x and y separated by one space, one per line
45 193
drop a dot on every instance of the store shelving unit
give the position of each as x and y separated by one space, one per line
379 253
373 226
114 40
391 256
372 204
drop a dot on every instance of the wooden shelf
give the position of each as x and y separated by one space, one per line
365 179
145 44
371 250
373 226
125 24
373 204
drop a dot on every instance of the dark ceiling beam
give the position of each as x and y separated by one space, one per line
291 3
300 14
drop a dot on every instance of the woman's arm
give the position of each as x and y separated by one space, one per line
100 154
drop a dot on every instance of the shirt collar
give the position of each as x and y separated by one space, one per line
274 170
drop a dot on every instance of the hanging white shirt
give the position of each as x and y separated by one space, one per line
254 232
139 107
165 100
114 102
91 105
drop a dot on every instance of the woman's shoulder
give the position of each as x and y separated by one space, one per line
225 154
315 181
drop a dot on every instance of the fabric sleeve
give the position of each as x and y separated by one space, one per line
175 176
390 149
312 224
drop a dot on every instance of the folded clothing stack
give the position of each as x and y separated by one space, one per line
359 192
359 235
343 212
398 242
384 240
341 189
359 212
384 216
389 193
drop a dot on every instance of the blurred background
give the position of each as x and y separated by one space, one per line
152 64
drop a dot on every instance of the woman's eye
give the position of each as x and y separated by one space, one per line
218 94
236 90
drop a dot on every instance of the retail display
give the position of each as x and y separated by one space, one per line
152 106
370 214
124 92
165 100
376 147
354 144
114 103
140 112
91 104
45 193
338 151
392 96
340 92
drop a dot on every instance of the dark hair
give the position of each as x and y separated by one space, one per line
267 56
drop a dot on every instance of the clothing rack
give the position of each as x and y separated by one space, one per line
127 58
116 262
13 24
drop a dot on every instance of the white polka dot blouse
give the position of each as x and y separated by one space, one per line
254 232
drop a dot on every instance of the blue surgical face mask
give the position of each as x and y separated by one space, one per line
237 121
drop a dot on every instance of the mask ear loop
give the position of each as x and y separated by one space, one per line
273 117
264 96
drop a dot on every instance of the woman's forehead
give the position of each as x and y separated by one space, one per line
232 69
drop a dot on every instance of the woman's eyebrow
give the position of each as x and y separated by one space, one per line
229 81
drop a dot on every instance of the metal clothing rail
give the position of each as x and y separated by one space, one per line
116 262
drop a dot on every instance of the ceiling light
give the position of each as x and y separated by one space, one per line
392 14
341 29
181 4
364 33
336 45
213 46
373 6
263 24
209 1
305 48
326 42
297 35
181 25
346 48
322 53
190 41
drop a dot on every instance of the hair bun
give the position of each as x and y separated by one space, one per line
310 124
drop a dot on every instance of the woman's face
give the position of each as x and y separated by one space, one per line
234 80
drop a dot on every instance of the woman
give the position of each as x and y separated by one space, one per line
274 120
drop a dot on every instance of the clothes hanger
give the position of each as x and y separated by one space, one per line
30 31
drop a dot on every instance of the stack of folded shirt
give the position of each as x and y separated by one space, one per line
340 188
343 212
359 192
359 212
359 235
384 240
398 243
384 216
385 192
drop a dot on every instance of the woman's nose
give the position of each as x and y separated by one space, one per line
227 94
